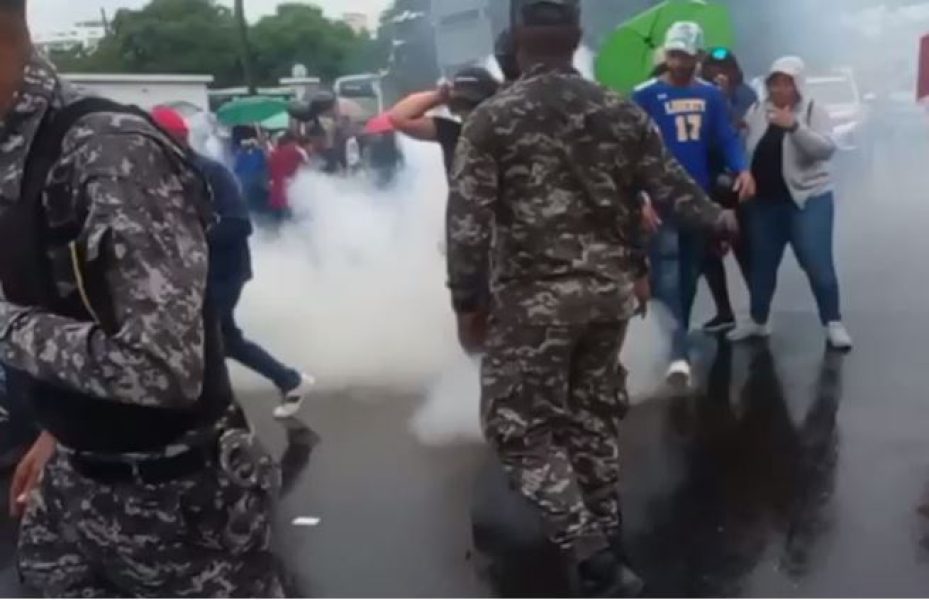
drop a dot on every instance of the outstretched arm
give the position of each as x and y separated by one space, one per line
409 115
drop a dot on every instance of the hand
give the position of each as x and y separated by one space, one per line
651 222
721 248
722 82
444 92
782 117
472 331
643 293
29 473
745 186
728 224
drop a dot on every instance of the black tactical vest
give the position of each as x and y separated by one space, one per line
79 421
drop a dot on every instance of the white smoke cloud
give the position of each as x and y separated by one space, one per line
354 291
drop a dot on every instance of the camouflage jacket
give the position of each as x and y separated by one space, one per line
131 198
546 182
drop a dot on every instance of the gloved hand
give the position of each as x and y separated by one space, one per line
472 331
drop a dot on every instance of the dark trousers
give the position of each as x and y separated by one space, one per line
714 269
249 354
776 222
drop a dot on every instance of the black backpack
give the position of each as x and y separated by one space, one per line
28 275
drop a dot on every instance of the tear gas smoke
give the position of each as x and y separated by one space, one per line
583 62
354 291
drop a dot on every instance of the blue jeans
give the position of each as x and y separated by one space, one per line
676 263
776 222
237 347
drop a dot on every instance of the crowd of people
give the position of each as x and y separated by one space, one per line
568 207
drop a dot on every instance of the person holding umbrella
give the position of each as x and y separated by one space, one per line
693 118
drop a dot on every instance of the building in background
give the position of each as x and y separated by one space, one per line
464 33
357 21
85 36
147 91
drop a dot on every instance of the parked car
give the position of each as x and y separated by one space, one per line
840 96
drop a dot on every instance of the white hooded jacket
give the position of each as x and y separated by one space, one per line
808 150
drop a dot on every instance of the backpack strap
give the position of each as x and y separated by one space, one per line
809 114
44 153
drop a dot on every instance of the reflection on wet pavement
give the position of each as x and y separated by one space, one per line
751 478
296 457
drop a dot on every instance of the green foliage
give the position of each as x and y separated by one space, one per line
201 37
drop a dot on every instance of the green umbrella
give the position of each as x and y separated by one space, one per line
250 111
627 56
276 123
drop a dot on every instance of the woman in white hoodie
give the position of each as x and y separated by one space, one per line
790 146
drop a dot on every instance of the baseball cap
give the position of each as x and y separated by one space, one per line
171 121
546 13
684 36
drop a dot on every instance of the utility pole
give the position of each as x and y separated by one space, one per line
245 48
104 21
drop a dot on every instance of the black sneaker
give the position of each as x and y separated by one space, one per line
720 324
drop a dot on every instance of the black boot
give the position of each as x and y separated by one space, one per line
632 582
604 576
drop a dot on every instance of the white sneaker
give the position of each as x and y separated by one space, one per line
838 337
679 374
749 331
293 400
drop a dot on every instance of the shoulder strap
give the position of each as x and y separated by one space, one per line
809 114
46 146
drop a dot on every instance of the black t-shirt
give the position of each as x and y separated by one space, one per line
768 165
448 133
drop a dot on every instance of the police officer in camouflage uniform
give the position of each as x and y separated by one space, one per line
546 184
157 487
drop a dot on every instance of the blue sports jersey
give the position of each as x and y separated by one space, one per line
694 121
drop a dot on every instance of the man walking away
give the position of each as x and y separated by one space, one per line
231 269
157 487
545 184
693 117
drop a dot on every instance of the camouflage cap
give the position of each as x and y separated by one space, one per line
542 13
14 5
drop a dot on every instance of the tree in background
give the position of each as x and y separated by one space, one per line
204 37
245 48
301 34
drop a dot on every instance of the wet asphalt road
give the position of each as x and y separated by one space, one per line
794 472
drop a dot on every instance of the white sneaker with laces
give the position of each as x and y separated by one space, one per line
679 374
749 331
293 400
838 337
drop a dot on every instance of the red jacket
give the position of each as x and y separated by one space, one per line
283 165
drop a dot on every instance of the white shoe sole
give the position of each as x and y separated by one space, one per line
294 400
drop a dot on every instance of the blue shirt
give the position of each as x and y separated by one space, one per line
694 121
230 258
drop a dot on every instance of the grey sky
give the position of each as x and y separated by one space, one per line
51 15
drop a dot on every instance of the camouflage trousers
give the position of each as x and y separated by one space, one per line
551 406
202 536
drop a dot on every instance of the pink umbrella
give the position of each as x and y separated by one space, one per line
379 124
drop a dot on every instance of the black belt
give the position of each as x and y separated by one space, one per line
147 472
